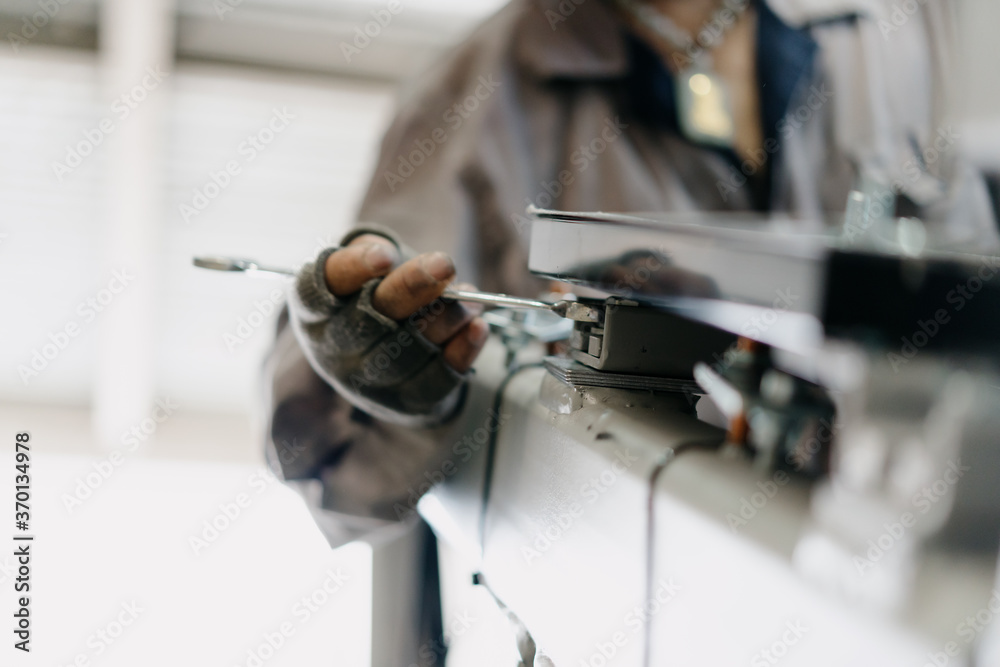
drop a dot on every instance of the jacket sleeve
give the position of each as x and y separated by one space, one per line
357 474
438 184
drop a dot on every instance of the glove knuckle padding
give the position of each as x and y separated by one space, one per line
384 367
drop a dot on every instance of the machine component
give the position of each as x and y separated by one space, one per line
949 305
578 375
638 340
851 505
517 329
615 511
783 422
537 325
572 310
736 272
849 515
789 284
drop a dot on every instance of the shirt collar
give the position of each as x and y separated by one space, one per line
564 39
785 57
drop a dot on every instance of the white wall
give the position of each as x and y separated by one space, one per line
298 193
979 66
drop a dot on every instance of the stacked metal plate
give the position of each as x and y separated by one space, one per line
576 374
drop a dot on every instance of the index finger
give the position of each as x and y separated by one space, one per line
366 257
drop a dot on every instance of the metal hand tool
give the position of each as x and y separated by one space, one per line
572 310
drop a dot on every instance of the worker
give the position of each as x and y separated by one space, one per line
588 105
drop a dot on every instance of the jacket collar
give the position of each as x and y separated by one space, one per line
803 13
582 39
571 39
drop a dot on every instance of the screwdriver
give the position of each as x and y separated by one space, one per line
572 310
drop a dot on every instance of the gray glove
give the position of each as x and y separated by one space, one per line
383 367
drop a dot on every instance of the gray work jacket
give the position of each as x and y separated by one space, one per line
527 111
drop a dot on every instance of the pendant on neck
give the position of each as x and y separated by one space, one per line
704 106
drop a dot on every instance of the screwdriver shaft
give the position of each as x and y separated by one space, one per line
499 300
571 309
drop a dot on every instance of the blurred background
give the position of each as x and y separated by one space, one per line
135 134
133 504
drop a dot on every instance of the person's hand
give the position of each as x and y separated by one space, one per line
410 288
